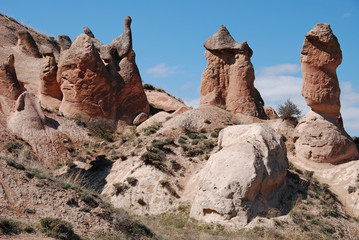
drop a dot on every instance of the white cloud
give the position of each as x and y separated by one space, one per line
276 84
162 71
279 69
192 103
350 108
347 14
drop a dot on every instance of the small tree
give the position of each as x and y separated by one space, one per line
289 111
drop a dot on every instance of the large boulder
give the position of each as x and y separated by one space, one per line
320 139
320 57
110 88
229 76
242 180
163 101
10 87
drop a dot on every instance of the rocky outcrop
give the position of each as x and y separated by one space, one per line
10 87
229 76
65 42
49 85
270 112
320 139
88 32
242 180
320 135
27 43
92 88
320 56
163 101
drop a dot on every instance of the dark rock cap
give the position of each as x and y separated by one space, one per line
221 40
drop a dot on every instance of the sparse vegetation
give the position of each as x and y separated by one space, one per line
102 128
57 228
289 111
9 227
152 129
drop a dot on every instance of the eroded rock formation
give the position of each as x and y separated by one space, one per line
320 57
9 85
320 135
321 139
49 88
243 178
65 42
27 44
229 76
92 88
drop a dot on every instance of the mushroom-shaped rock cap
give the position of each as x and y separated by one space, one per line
221 40
323 33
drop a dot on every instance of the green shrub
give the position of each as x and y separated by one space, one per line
29 229
57 228
132 229
152 129
141 202
148 86
154 156
289 111
9 227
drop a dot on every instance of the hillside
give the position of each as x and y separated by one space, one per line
112 159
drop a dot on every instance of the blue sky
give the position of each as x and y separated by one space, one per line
168 39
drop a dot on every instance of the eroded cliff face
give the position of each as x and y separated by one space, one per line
229 76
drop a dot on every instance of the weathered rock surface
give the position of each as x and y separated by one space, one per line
27 43
140 118
229 76
64 41
270 112
320 139
88 32
10 87
50 88
242 179
92 89
320 56
45 135
320 133
163 101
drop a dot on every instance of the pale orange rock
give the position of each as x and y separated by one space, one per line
320 57
95 87
320 136
163 101
320 139
27 43
49 85
229 76
10 87
270 112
